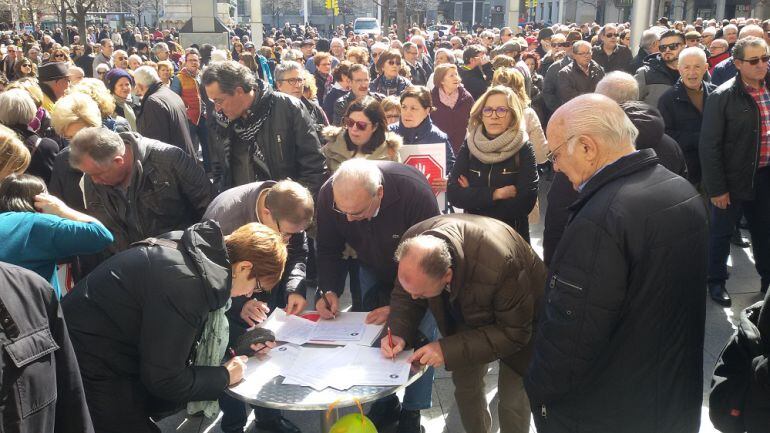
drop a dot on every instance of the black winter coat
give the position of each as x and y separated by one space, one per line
43 151
562 194
287 140
572 82
168 191
729 141
683 123
163 117
476 81
135 321
619 345
620 59
651 128
41 386
519 170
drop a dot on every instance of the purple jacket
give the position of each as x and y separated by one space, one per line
453 121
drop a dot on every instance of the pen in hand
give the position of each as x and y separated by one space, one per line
390 342
328 304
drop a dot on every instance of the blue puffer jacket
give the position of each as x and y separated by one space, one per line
425 133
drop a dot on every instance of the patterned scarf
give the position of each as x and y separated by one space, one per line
448 100
246 128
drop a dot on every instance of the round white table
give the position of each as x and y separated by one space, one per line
263 387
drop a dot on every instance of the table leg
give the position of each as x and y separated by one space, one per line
328 422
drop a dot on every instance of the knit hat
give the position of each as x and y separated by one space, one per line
53 71
114 75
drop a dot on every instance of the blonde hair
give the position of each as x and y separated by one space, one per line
515 105
166 64
513 79
98 92
30 85
310 90
76 107
391 103
14 156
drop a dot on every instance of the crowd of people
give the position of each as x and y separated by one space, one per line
156 201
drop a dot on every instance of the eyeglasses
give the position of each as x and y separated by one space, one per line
694 39
394 62
610 35
587 53
56 56
551 154
361 81
360 125
259 288
26 65
353 215
753 62
564 44
498 111
669 47
294 81
490 38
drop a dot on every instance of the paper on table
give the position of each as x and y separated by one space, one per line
344 319
338 331
342 368
260 370
287 328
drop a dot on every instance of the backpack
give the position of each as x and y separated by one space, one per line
736 400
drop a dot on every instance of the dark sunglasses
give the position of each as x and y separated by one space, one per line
753 62
610 35
564 44
670 47
56 56
394 63
360 125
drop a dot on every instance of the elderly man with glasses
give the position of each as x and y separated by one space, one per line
9 62
369 206
579 77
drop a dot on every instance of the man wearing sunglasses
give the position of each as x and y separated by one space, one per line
369 206
735 161
661 71
611 55
726 69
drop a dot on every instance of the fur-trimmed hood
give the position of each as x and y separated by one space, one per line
336 149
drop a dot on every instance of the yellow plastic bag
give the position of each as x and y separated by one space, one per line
351 423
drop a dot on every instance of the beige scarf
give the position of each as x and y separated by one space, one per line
498 149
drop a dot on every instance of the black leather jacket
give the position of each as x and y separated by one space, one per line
729 141
287 140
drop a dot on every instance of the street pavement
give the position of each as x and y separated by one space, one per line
443 416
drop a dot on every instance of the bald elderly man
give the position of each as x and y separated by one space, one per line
619 344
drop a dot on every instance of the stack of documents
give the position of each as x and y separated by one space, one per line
346 328
344 367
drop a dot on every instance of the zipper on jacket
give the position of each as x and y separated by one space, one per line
543 411
555 279
489 176
280 146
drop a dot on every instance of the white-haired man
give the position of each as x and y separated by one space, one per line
163 116
682 107
369 206
625 286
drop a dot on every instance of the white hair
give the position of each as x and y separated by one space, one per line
219 56
119 52
16 107
588 117
379 46
619 86
360 172
709 31
146 76
292 54
693 52
135 58
649 37
581 44
729 27
337 41
751 30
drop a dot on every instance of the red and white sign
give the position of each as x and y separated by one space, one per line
430 160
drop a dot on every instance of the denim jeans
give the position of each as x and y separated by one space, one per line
723 221
417 395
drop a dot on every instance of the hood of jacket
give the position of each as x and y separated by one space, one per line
205 245
648 121
337 150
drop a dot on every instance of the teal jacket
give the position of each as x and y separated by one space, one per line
38 241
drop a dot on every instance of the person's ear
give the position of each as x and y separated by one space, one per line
380 191
241 267
588 146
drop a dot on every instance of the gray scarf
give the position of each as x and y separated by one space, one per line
497 149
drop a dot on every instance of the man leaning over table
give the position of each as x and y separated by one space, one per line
483 283
369 205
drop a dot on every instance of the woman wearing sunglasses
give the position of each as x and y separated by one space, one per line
25 68
364 135
495 173
389 82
